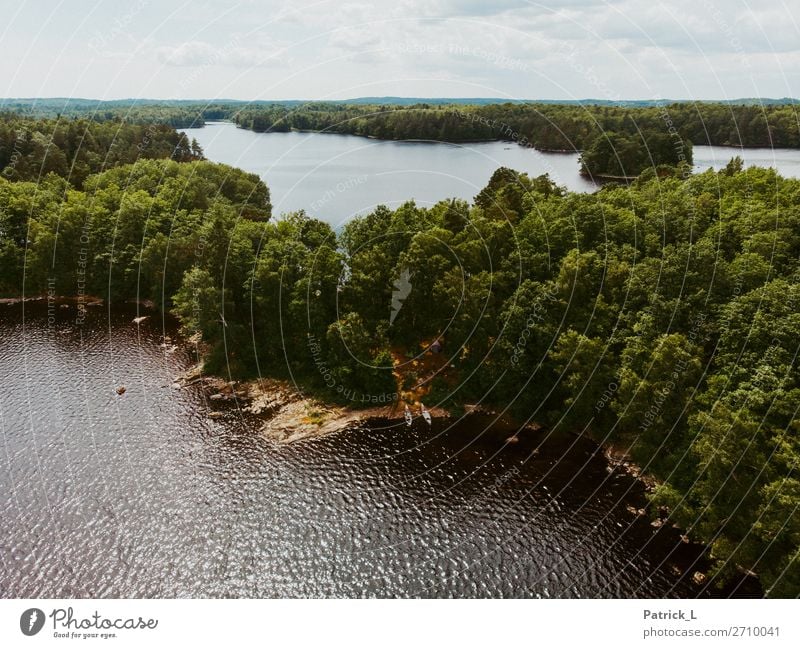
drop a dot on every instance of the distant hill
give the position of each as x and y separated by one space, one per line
482 101
64 105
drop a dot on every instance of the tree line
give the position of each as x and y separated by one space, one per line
178 114
545 126
616 140
77 148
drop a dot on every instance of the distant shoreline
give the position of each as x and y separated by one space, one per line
739 147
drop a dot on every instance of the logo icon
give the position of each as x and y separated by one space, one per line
402 288
31 621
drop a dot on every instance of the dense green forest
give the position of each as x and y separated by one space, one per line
544 126
178 114
663 316
76 148
133 230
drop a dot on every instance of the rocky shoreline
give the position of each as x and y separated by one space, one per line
85 300
287 414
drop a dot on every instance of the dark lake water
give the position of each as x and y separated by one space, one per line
144 495
334 177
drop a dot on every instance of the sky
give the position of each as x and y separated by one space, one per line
264 50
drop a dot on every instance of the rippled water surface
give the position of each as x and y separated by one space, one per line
144 495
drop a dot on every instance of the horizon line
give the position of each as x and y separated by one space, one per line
398 97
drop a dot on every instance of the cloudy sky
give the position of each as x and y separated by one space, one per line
302 49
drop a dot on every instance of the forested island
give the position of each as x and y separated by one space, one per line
661 316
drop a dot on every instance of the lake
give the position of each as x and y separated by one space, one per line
334 177
145 494
786 161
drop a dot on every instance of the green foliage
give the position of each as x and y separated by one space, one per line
77 148
196 303
546 126
134 232
175 113
587 377
617 141
623 155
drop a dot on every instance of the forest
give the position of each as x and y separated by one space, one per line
76 148
617 141
662 316
544 126
178 114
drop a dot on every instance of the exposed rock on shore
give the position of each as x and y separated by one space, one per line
288 415
85 300
620 458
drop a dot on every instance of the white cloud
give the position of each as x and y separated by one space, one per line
231 54
355 39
